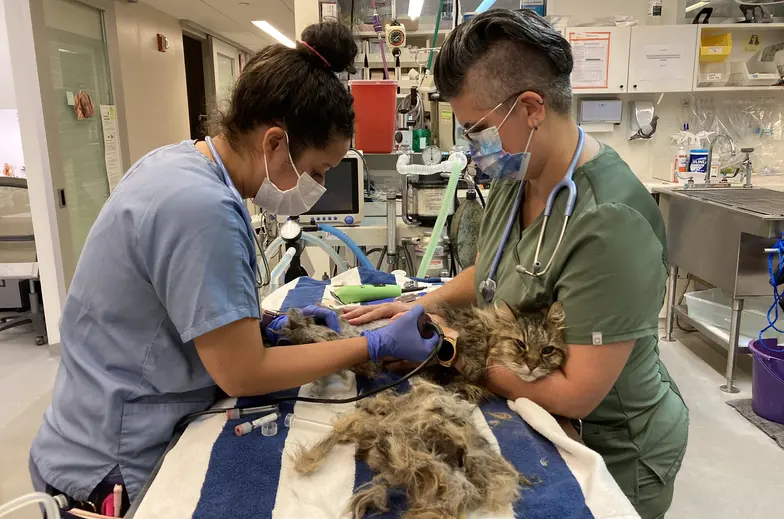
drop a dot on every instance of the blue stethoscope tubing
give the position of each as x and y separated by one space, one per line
487 287
261 281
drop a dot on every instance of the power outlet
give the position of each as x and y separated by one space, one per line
685 102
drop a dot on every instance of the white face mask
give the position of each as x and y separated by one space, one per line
292 202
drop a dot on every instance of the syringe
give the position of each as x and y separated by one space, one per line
235 413
291 419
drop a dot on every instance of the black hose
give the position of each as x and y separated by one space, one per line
381 258
480 195
295 398
335 267
689 279
410 263
382 250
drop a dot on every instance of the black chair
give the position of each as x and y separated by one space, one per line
20 296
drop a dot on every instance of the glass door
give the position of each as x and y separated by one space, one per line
79 68
226 63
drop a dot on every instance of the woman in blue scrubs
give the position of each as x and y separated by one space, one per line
163 309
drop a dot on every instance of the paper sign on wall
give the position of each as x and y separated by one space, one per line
665 62
111 145
591 55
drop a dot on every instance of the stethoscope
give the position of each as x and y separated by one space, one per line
260 281
487 287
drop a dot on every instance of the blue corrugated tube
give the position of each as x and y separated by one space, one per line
353 247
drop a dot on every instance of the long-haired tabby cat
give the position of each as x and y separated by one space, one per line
529 342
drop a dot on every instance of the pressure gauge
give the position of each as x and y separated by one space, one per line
290 231
396 35
431 155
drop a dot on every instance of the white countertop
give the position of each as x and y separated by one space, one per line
775 183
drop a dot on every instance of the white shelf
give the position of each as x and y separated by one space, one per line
409 34
738 88
742 26
377 63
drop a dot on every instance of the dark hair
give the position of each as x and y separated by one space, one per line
297 89
505 52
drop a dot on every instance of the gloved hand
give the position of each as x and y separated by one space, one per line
400 339
322 316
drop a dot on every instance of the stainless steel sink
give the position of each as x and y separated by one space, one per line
766 203
719 236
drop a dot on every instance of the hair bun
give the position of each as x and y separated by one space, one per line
334 42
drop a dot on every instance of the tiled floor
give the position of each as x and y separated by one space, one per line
731 470
26 379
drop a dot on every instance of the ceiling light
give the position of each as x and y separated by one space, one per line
484 6
272 31
415 8
696 6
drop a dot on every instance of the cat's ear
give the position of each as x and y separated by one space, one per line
555 315
503 308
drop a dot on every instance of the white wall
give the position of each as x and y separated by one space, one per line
11 143
582 11
647 156
149 85
306 12
7 96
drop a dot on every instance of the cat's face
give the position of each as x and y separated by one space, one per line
529 344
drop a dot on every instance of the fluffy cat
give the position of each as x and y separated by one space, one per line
528 342
424 442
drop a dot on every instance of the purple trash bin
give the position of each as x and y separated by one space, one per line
767 380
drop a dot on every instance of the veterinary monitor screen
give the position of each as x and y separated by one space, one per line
342 203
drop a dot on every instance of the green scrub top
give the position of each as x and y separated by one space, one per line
609 273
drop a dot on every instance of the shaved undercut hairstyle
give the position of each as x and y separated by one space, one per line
500 53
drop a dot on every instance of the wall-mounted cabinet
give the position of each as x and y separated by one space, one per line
677 58
661 59
601 59
739 57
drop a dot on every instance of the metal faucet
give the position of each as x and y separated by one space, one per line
710 153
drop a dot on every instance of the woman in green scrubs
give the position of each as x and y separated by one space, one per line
507 76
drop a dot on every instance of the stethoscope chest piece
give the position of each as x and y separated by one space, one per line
487 289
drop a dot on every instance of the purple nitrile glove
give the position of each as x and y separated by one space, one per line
271 331
400 339
322 316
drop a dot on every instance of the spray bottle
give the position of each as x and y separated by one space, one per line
680 161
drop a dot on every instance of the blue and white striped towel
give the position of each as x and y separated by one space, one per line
213 474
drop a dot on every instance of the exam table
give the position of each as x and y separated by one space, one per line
208 472
20 301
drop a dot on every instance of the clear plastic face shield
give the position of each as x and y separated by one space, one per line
487 150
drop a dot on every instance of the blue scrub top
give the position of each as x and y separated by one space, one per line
169 258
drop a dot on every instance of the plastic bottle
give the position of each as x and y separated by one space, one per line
682 161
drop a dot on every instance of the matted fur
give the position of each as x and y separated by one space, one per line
424 442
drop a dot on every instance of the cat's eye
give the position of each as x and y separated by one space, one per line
521 345
548 350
